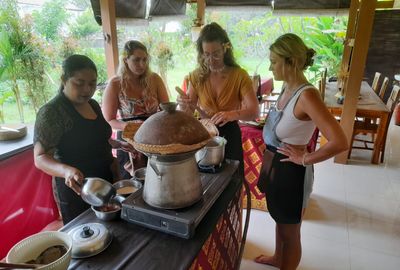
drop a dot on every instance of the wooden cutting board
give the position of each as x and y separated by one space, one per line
12 131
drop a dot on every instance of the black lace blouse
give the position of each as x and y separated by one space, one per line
76 141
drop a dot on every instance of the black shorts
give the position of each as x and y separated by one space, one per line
283 185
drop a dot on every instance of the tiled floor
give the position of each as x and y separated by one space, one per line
353 220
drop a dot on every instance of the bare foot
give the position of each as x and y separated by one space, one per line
269 260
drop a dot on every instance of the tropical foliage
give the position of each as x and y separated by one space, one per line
33 47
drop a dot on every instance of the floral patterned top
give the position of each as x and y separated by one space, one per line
146 105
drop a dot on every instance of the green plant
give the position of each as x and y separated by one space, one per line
49 20
85 25
326 36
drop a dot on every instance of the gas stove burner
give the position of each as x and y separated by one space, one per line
210 168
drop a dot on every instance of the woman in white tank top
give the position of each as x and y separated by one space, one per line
286 174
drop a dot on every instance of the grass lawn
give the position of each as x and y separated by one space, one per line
11 114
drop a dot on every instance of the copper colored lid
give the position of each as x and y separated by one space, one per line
170 127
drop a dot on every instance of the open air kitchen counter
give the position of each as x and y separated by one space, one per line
215 244
31 192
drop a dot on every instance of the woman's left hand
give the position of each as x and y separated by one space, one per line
293 154
221 118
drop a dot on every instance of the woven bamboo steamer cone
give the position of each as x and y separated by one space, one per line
168 149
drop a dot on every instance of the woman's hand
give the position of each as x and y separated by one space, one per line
184 102
74 179
221 118
294 154
127 147
124 146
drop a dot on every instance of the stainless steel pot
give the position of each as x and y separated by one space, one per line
213 153
172 181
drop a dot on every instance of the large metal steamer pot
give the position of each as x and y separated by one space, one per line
172 181
170 139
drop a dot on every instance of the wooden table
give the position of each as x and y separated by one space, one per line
369 106
215 244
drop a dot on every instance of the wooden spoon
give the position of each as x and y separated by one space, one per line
203 114
5 265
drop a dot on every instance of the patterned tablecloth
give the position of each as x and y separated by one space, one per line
253 150
221 250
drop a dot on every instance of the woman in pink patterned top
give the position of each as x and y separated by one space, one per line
134 94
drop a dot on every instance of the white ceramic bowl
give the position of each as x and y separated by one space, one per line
31 247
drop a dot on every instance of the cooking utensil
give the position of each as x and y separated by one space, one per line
4 265
172 184
127 183
97 191
89 239
203 114
213 153
110 214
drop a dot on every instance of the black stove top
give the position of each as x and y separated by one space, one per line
180 222
211 168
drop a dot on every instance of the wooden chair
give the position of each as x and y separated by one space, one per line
384 86
363 127
375 82
322 84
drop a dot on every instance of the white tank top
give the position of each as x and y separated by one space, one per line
292 130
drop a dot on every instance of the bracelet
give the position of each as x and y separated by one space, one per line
304 159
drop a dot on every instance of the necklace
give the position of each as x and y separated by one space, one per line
217 70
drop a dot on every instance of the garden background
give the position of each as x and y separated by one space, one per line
34 42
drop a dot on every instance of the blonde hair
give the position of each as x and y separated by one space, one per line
123 69
292 48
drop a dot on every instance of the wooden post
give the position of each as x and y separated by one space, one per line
351 26
201 7
363 31
107 8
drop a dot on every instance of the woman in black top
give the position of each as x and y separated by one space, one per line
72 139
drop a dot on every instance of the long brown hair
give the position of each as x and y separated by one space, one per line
213 32
123 69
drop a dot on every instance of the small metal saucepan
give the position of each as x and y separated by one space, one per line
97 191
213 153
